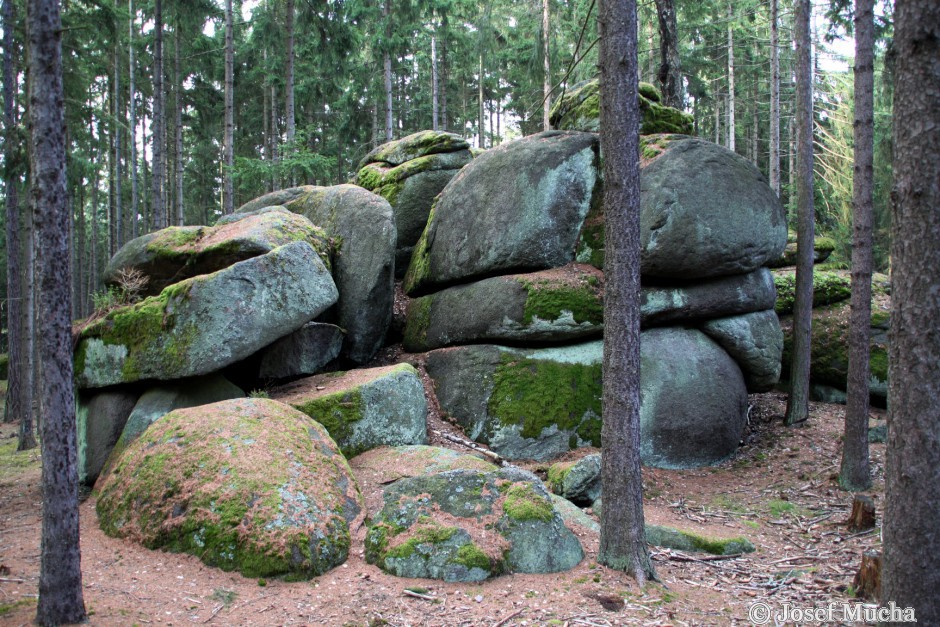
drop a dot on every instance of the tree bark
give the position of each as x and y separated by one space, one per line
854 473
434 84
798 399
623 540
546 69
116 148
228 139
178 126
670 72
132 115
731 126
60 577
289 92
774 140
481 126
157 174
387 70
911 574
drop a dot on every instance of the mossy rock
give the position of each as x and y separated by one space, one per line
579 110
829 287
205 323
578 482
361 227
250 485
364 408
551 306
829 362
391 463
415 146
306 351
170 255
822 249
755 342
466 525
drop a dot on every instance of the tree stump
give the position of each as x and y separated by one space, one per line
863 514
867 582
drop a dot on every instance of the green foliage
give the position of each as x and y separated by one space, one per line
828 288
296 162
524 503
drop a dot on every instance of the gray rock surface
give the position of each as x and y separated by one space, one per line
304 352
755 341
100 418
578 482
701 300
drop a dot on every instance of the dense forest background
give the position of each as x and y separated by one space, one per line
312 80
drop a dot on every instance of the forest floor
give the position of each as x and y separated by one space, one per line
779 491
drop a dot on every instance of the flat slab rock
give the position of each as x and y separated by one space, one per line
364 408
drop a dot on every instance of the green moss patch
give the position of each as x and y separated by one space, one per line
419 270
549 300
524 503
828 288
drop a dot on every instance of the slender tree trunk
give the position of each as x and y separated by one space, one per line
798 400
275 138
731 125
387 70
774 167
481 126
623 538
132 115
670 72
911 575
854 473
178 127
110 106
60 576
717 119
228 140
546 69
116 152
755 124
289 92
443 89
157 178
434 86
651 43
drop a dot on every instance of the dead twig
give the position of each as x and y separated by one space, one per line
418 595
214 612
473 446
508 618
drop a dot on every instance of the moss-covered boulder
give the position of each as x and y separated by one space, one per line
100 418
415 146
822 249
523 403
207 322
829 287
387 464
465 525
557 305
579 110
361 226
755 341
364 408
706 211
577 481
829 362
517 207
693 399
431 159
180 252
701 300
304 352
160 400
250 485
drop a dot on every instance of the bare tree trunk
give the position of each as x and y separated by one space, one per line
717 119
798 399
911 574
289 91
178 127
651 43
228 139
60 576
755 124
481 126
731 126
387 69
434 86
774 167
132 115
443 89
275 139
854 473
623 538
157 178
670 72
116 152
546 69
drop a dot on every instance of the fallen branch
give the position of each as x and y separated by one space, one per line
472 445
418 595
11 580
214 612
508 618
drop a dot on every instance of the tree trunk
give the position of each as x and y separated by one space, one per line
228 139
116 149
444 76
911 574
623 539
798 399
178 127
774 167
60 576
481 126
157 178
731 127
670 72
387 70
755 124
132 115
275 137
854 473
434 86
546 69
289 91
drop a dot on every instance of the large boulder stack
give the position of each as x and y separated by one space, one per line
409 173
513 253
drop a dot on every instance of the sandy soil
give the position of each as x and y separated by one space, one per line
779 491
